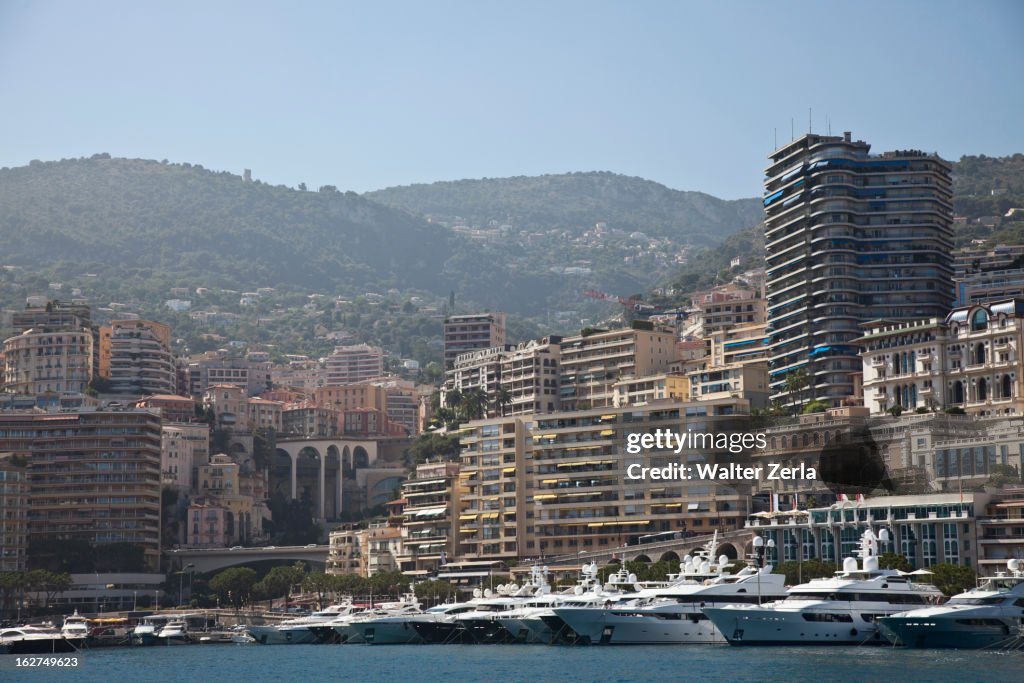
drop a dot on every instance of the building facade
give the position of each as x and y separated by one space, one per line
47 360
93 476
850 237
354 363
464 333
140 357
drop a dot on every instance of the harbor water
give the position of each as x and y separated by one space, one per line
528 663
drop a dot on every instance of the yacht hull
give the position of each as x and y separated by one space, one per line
611 627
773 627
271 635
390 633
925 632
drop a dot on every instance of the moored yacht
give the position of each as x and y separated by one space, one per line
36 640
674 614
75 626
298 631
991 614
843 609
355 629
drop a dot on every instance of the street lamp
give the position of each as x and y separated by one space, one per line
760 550
181 578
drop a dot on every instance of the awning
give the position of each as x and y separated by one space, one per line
544 496
608 417
508 469
607 432
692 506
489 515
467 518
549 481
427 512
595 524
468 531
462 575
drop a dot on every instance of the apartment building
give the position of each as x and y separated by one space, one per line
137 357
530 377
170 407
431 514
850 237
183 447
93 476
238 489
650 388
744 344
729 306
559 483
740 380
970 359
591 363
44 360
464 333
252 377
354 363
14 501
308 419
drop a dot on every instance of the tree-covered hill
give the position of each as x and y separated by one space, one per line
575 202
211 229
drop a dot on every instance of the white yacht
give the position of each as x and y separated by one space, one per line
145 631
843 609
986 616
299 631
174 632
674 614
75 626
37 640
358 628
439 624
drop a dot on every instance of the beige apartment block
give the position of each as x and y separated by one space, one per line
41 360
431 517
464 333
592 363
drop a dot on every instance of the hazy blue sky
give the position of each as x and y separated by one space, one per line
364 95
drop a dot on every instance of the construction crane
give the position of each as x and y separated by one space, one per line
605 296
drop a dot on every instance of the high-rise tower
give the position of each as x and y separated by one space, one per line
850 237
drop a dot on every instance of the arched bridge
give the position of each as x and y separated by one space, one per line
735 545
211 559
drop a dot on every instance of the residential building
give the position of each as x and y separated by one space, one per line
650 388
45 360
747 344
240 490
530 378
464 333
308 419
355 363
741 380
1001 531
55 315
850 237
170 407
560 483
265 415
593 362
230 405
14 502
140 357
183 447
431 517
344 554
251 376
728 306
93 475
210 524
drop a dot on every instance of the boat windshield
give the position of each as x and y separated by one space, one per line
992 600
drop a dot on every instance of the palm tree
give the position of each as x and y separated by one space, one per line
502 400
473 404
796 382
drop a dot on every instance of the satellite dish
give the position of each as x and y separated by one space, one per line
723 560
849 565
477 593
687 559
488 593
632 578
1013 565
578 590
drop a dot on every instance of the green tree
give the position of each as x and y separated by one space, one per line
799 572
894 561
234 585
320 583
795 384
473 404
435 592
1001 475
952 578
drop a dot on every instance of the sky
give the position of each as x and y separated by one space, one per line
371 94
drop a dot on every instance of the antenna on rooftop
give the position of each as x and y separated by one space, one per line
792 131
809 120
828 122
776 139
